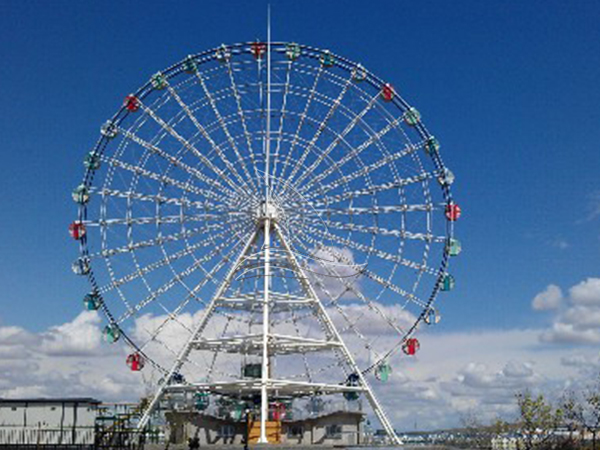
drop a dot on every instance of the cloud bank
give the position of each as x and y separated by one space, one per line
454 373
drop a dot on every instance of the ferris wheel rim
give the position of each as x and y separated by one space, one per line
311 52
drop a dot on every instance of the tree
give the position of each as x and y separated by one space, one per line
582 410
538 421
476 435
480 436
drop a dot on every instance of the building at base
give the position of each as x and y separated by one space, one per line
341 428
44 421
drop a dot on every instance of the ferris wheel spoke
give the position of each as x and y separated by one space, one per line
303 116
282 115
366 272
179 218
156 199
387 160
175 280
368 191
294 320
192 295
225 129
115 283
283 187
334 299
370 250
171 317
152 242
375 230
339 138
242 116
334 106
353 154
174 353
206 161
350 287
176 162
186 187
377 210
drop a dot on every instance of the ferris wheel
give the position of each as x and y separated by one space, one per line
266 221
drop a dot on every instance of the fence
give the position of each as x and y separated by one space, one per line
68 439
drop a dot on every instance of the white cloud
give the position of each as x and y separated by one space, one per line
334 272
16 336
578 321
519 370
81 337
550 298
580 360
68 356
586 293
453 373
458 373
567 333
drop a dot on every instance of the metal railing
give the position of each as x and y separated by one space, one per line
70 439
26 436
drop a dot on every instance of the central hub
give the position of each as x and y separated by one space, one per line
268 210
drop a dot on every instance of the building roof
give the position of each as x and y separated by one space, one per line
328 414
13 401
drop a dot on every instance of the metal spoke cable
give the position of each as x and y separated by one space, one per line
150 242
303 116
339 138
225 130
347 178
321 127
181 165
282 115
155 265
348 157
333 300
369 191
366 272
207 162
351 288
376 231
242 117
152 198
209 276
186 187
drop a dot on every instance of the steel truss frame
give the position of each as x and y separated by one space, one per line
320 193
268 344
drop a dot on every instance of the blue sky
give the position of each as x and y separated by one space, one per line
510 88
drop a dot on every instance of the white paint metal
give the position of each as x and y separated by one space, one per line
264 401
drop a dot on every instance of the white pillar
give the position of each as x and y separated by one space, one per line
264 400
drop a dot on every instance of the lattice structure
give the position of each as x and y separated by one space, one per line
269 206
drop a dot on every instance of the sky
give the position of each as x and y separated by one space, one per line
509 88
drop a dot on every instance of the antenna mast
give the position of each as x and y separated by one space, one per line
265 372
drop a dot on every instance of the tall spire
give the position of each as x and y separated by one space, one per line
268 121
264 410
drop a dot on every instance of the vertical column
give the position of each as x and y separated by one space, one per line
264 400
